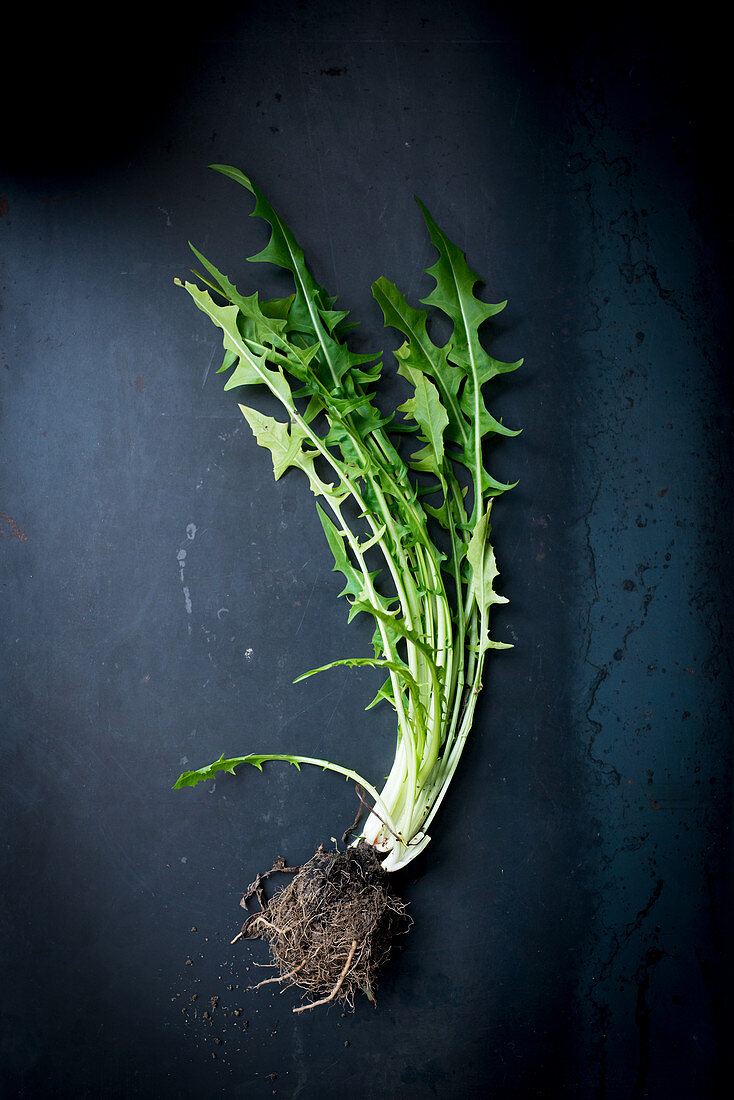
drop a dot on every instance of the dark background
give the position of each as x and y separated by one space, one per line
160 592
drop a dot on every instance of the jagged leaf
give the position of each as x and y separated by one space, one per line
355 586
311 312
253 366
481 558
421 354
426 409
284 441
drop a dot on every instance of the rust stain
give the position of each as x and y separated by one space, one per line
139 384
4 206
61 198
10 529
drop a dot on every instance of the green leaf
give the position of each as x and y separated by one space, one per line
481 558
282 440
426 409
385 694
454 295
311 312
234 174
253 367
355 583
248 305
230 358
421 354
200 775
438 567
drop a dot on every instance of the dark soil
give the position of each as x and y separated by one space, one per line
331 929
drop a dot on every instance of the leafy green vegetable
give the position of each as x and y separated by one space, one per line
427 514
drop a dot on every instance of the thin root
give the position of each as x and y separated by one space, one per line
256 918
362 804
337 987
260 919
280 977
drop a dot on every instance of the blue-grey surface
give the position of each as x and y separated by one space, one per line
160 592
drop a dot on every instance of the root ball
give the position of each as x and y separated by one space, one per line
331 928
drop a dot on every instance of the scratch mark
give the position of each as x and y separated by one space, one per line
308 602
209 366
340 693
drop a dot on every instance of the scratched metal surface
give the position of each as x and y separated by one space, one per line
160 592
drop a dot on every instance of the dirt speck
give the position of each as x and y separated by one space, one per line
9 528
